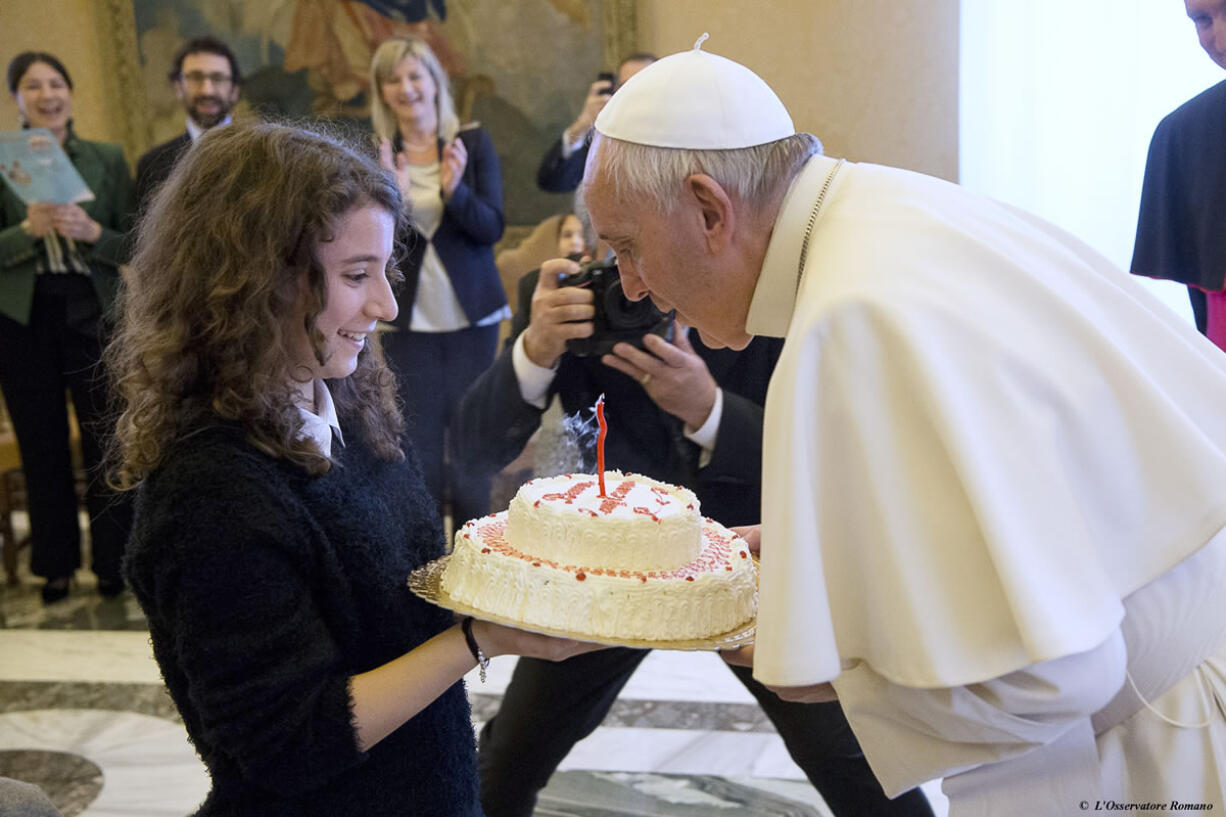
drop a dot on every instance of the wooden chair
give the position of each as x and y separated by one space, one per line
12 493
537 247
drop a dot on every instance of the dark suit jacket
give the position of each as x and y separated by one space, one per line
561 175
155 166
1180 231
472 223
494 422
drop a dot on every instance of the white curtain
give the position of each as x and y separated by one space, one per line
1057 103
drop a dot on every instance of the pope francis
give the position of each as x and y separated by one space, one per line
994 486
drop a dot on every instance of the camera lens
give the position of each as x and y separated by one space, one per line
624 313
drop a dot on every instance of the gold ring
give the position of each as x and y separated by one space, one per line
645 379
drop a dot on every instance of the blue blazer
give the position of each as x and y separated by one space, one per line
472 223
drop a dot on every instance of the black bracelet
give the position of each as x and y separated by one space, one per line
483 663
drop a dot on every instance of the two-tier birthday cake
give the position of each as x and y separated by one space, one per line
622 556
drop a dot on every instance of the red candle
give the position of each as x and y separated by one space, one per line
604 429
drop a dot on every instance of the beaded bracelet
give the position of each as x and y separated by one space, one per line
483 663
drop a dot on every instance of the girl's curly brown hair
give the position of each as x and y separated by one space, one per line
220 256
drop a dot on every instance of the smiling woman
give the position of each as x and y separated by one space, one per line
60 272
452 300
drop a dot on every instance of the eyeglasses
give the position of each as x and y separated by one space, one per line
198 78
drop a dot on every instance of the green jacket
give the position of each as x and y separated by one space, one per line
103 168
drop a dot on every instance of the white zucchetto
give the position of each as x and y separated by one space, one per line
698 101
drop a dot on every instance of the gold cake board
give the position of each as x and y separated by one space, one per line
426 582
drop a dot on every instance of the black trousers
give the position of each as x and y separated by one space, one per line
433 370
60 351
548 707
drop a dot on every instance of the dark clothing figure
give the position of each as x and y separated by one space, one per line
266 589
154 168
548 707
1181 230
561 174
55 300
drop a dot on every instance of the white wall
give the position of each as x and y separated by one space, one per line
1058 100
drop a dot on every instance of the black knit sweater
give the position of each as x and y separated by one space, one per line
265 590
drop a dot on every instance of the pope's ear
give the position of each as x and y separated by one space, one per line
715 206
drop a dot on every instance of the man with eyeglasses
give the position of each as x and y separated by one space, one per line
206 79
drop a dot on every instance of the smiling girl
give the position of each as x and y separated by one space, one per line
280 512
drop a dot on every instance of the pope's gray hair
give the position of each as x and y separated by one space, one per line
654 175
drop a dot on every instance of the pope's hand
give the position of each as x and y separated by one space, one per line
558 314
812 694
672 374
752 534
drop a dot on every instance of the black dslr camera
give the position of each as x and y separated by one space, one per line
617 318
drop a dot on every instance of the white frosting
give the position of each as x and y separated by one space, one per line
712 593
639 523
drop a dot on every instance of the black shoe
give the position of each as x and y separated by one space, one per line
55 590
110 588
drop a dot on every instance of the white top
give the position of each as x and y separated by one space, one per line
322 427
435 307
979 438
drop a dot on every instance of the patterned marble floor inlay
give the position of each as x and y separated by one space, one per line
71 781
621 794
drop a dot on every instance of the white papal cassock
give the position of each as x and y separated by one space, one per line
994 486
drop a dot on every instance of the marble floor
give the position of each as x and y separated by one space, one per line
83 715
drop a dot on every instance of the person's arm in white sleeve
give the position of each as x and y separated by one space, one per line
912 735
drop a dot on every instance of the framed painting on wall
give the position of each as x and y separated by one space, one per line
521 69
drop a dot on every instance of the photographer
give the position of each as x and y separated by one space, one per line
658 402
562 167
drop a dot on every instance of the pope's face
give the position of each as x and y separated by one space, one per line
666 257
1209 17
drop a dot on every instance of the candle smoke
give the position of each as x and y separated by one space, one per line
567 445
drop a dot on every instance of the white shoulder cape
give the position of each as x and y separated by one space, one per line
980 437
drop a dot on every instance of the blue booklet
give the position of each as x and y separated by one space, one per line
35 167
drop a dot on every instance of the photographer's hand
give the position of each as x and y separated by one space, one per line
597 97
673 375
558 314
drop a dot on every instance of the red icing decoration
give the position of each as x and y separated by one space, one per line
485 550
572 493
646 512
744 555
491 531
613 501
